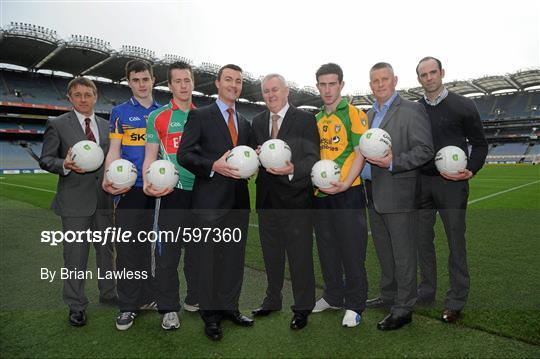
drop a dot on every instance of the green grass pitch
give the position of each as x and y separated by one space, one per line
502 318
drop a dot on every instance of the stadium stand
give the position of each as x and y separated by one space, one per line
506 149
509 105
14 156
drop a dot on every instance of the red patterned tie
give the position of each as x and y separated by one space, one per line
232 128
88 131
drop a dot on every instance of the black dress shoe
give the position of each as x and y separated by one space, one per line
238 318
77 318
299 320
213 331
261 312
393 322
450 315
109 301
378 303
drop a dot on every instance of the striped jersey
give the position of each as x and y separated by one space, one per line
340 132
128 124
165 127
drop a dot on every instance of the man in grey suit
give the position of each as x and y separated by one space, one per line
392 184
79 200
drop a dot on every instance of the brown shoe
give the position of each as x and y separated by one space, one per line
450 315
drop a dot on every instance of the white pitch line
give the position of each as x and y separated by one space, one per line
501 192
34 188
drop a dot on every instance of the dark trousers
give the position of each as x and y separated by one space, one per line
394 240
341 232
175 213
449 198
288 231
134 212
220 265
76 258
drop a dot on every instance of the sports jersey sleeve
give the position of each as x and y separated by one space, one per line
359 124
115 125
151 133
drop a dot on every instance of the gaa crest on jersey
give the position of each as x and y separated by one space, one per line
337 128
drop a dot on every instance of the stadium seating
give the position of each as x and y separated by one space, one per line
509 149
8 125
13 156
34 126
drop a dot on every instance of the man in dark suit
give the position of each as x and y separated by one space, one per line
284 197
454 121
220 200
79 200
393 188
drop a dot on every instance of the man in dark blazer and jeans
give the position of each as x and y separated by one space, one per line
284 200
220 200
79 199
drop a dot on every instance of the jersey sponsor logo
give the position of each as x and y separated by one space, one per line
134 137
137 137
335 139
327 144
173 142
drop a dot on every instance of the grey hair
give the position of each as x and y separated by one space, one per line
270 77
382 65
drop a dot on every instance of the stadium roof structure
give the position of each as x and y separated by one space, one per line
39 48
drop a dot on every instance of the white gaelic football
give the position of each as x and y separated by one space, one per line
324 172
162 174
121 173
275 153
87 155
375 143
245 159
450 159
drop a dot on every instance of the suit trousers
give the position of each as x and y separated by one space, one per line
449 198
395 244
76 258
341 232
175 215
134 212
220 264
288 232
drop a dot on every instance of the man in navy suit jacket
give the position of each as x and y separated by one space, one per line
220 200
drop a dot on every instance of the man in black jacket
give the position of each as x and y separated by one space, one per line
284 197
454 121
220 201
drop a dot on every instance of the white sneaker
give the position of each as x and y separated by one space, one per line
322 305
170 321
351 319
191 307
149 306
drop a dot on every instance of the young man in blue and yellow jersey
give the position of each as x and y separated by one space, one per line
134 209
340 225
164 132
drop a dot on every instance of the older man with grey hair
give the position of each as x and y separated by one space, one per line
284 197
